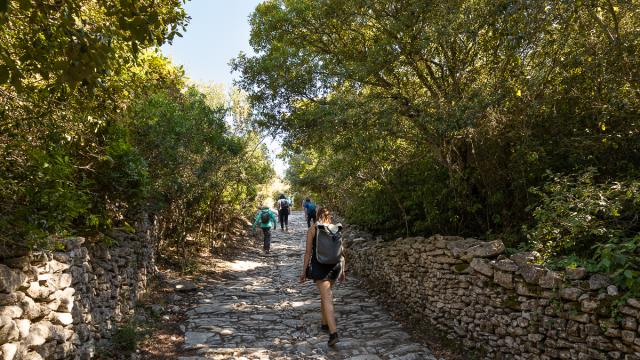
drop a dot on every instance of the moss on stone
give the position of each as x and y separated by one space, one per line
461 267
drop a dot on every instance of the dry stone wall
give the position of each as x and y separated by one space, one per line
61 305
498 306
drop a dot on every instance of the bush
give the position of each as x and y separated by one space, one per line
594 222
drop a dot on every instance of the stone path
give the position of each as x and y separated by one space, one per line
261 312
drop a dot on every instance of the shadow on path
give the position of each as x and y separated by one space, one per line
260 311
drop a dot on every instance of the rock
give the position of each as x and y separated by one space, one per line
39 333
32 355
506 265
482 266
39 292
589 305
57 267
550 280
628 336
503 279
61 281
13 311
10 279
21 263
485 249
459 246
531 273
8 351
612 290
58 333
66 300
570 293
184 285
633 302
72 242
63 319
583 318
575 274
598 281
8 330
524 258
23 327
11 298
628 310
32 310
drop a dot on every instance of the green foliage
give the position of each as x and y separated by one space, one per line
423 117
125 338
96 128
590 223
576 213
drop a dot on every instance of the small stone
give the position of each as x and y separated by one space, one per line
32 310
486 249
13 311
22 263
32 355
10 279
61 281
226 332
482 266
506 265
23 327
11 298
8 330
63 319
8 351
39 333
612 290
524 258
184 286
570 293
531 273
460 245
598 281
503 279
72 242
550 280
633 302
583 318
628 310
628 336
36 291
575 274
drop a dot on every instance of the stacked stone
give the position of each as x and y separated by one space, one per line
502 307
60 305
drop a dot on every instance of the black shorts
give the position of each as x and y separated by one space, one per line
318 271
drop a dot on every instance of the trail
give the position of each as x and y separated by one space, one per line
260 311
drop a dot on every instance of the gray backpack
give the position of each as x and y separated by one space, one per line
328 243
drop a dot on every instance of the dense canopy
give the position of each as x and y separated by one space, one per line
517 119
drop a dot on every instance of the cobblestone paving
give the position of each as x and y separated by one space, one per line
261 312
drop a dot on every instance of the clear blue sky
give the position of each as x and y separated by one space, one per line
217 32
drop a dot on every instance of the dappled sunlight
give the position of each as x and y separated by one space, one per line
244 265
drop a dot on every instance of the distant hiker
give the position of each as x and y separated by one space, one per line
304 208
309 211
265 218
283 212
324 263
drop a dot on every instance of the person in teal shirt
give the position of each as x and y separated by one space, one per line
265 218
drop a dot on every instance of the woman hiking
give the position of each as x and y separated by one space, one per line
324 273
